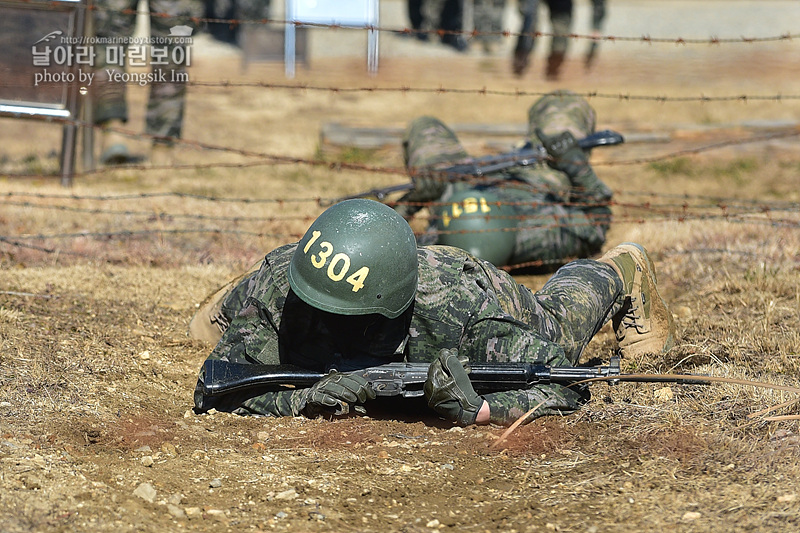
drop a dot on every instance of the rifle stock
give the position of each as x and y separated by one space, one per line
408 379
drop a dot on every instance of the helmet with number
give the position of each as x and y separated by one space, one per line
358 257
478 222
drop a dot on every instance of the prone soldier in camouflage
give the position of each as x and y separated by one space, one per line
357 291
116 19
543 213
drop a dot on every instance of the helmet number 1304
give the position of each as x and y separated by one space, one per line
339 264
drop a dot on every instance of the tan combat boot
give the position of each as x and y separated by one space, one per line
644 325
209 322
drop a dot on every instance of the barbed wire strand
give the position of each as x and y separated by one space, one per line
644 39
266 158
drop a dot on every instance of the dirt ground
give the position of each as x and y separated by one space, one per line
100 281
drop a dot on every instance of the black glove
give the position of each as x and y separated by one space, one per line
449 391
335 393
564 152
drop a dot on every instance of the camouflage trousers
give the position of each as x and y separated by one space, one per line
488 19
569 310
560 20
431 11
167 97
557 217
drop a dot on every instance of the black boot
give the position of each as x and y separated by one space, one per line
554 65
521 62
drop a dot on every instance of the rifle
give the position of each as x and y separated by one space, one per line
407 379
482 166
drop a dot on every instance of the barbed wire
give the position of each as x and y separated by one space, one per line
272 159
687 209
525 221
404 30
165 216
775 214
755 204
406 89
516 93
24 241
159 215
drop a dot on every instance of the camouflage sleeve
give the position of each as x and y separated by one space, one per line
499 340
251 338
408 205
506 407
592 197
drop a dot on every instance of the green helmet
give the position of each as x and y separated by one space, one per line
478 222
358 257
560 111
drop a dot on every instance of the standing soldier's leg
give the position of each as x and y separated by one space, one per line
598 16
109 104
252 9
167 100
415 16
431 11
529 10
452 24
488 22
561 19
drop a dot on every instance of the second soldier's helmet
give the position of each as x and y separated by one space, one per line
479 222
358 257
561 111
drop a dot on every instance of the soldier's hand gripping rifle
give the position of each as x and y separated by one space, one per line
407 379
483 166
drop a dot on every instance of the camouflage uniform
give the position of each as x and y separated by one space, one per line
166 102
445 15
561 22
557 216
461 303
598 16
243 10
488 20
